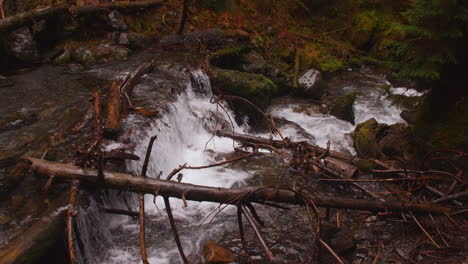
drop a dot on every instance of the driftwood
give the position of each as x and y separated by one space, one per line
338 162
112 125
192 192
20 20
116 107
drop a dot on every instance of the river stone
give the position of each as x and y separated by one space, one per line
215 253
256 88
117 21
343 107
83 55
310 82
365 140
23 46
6 82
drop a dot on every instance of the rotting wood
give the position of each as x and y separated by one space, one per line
192 192
72 212
26 18
112 125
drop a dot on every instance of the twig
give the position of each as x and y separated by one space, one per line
144 256
424 230
452 196
174 229
72 212
148 154
331 251
383 180
267 251
241 230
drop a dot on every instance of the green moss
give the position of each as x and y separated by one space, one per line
365 165
229 57
343 107
254 87
365 140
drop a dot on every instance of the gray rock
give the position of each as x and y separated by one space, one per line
123 39
23 46
117 21
311 83
83 55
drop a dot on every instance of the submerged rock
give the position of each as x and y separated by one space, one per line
215 253
343 107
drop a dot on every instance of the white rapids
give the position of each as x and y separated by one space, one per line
184 136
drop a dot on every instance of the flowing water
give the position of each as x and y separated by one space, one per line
184 136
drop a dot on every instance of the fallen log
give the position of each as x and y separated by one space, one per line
336 161
26 18
112 125
200 193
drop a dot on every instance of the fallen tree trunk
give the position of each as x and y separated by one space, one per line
336 161
199 193
20 20
112 125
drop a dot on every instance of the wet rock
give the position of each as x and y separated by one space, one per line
83 55
364 234
6 82
256 88
117 21
215 253
23 46
372 139
340 239
231 57
311 83
409 116
394 140
105 52
365 140
63 58
343 107
123 39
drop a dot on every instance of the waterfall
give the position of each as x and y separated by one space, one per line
184 135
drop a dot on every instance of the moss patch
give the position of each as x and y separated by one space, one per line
343 107
365 140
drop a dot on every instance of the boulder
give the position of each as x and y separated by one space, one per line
23 46
365 140
311 83
256 88
83 55
343 107
117 21
215 253
373 140
231 57
409 116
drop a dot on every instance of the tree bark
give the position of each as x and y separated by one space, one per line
112 125
199 193
336 161
183 18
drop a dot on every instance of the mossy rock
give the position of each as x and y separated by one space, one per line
343 107
365 140
256 88
365 165
231 57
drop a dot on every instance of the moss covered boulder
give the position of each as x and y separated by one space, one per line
256 88
343 107
231 57
365 139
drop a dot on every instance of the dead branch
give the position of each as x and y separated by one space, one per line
265 248
120 212
72 212
174 229
192 192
